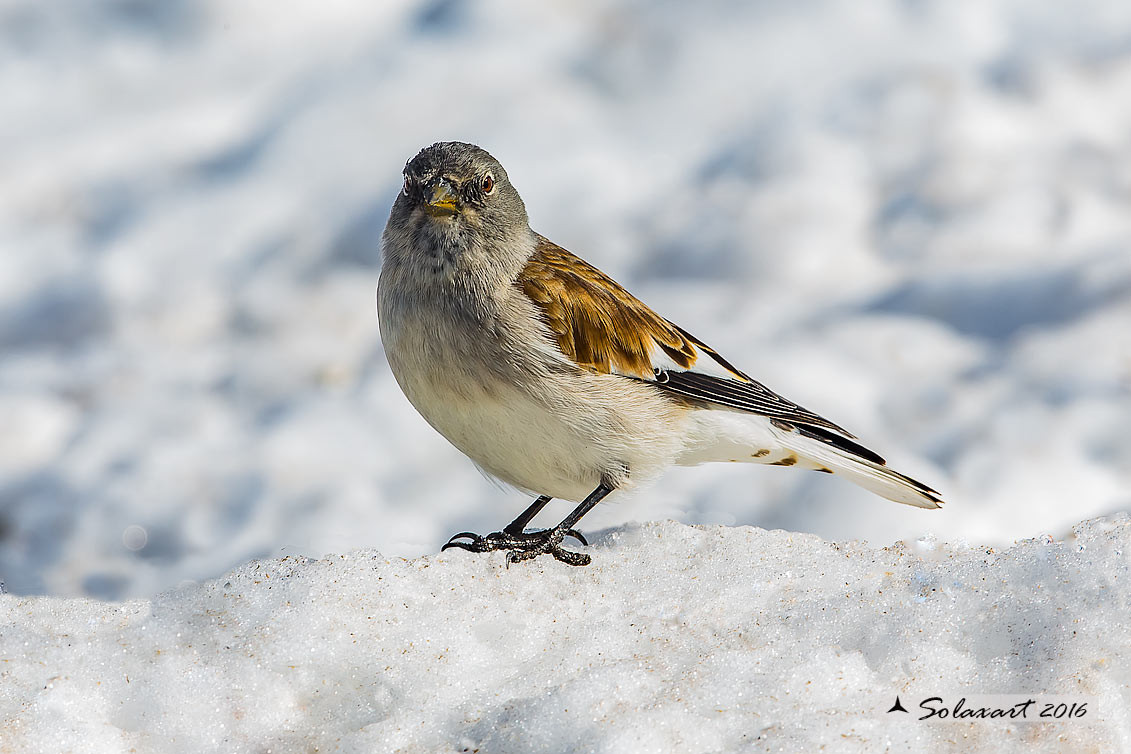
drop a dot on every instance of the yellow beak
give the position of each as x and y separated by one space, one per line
442 201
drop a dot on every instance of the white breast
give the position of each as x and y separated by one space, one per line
548 432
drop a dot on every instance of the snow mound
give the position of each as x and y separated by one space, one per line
677 638
908 216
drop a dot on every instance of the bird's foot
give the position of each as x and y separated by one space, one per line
524 545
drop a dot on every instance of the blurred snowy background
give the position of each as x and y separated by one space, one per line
913 217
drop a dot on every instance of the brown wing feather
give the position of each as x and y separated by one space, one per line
604 328
596 322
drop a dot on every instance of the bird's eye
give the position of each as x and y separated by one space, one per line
488 183
406 186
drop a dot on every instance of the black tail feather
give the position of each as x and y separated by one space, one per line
838 441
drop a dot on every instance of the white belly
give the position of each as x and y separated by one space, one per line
550 432
561 440
510 437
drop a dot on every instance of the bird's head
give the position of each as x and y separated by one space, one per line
453 190
457 219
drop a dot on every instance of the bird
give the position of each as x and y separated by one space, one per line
553 378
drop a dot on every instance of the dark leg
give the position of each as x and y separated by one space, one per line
515 529
523 546
552 541
518 526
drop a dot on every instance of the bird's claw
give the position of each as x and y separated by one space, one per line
522 546
463 545
569 557
577 535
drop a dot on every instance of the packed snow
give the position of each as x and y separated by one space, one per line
910 217
913 217
677 638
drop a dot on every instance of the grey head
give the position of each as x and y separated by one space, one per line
457 212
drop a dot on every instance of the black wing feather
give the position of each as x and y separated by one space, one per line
755 397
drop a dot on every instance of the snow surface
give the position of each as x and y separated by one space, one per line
677 638
912 217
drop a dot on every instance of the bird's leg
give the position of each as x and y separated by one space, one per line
518 526
512 536
524 546
552 538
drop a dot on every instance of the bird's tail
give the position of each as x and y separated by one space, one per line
819 448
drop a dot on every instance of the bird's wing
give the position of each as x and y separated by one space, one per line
603 328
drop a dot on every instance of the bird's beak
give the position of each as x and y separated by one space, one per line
442 200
